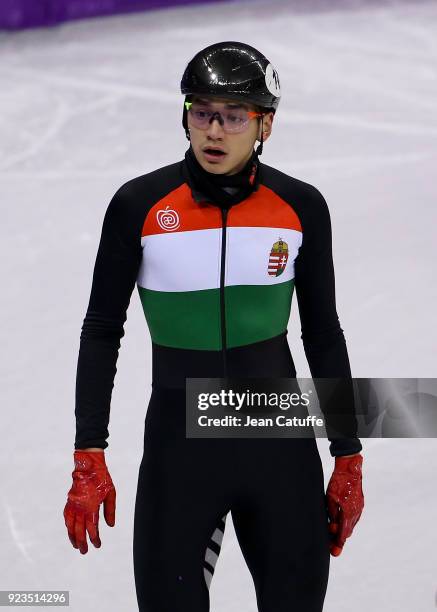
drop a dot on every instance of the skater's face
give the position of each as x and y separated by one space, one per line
237 146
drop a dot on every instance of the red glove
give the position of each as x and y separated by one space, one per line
345 500
92 485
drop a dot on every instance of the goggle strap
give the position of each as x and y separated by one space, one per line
253 114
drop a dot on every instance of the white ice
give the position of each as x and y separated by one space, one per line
88 105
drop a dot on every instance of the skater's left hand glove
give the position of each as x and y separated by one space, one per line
345 500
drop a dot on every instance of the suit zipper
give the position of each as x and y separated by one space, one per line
222 291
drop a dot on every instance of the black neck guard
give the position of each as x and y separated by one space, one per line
212 187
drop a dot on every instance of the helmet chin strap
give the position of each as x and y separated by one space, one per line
184 120
259 149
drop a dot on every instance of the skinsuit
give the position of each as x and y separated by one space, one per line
216 260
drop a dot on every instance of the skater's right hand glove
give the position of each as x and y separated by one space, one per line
92 485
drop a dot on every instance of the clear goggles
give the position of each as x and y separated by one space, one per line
232 120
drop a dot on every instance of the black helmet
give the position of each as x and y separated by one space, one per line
233 70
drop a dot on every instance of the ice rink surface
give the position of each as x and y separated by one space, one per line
86 106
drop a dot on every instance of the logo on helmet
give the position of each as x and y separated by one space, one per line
272 81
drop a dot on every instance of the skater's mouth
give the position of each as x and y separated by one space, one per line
213 153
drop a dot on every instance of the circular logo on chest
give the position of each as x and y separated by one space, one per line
168 219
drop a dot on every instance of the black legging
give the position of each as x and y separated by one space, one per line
274 489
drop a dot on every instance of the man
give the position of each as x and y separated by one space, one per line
195 236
